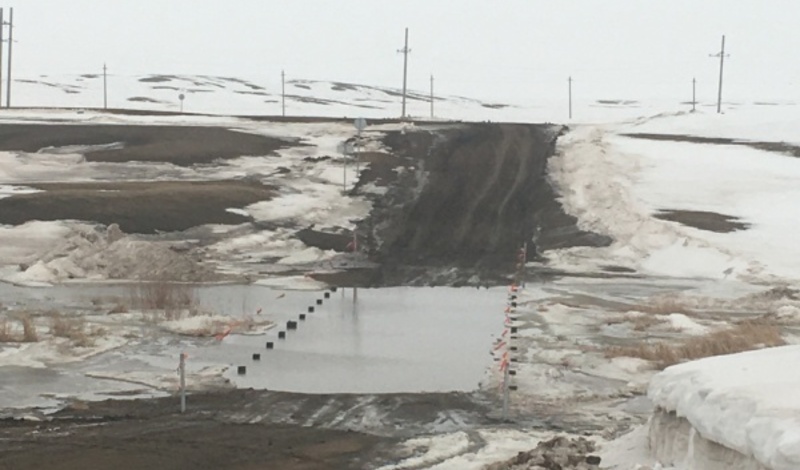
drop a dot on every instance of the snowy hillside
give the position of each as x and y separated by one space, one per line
240 96
236 96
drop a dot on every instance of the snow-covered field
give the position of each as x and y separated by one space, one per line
683 282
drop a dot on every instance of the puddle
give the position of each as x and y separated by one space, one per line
403 339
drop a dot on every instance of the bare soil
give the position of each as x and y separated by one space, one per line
468 197
179 145
476 194
138 207
176 442
703 220
238 429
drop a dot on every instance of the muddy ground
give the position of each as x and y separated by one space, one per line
471 196
240 429
703 220
137 207
179 145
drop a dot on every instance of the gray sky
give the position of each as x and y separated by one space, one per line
482 48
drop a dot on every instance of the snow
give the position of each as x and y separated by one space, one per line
436 448
210 325
615 184
309 255
683 323
627 452
452 451
747 402
755 123
53 351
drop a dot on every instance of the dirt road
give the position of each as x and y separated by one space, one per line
240 429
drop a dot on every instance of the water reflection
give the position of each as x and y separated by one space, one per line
401 339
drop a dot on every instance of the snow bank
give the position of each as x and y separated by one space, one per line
615 185
38 253
747 402
210 325
683 323
53 350
597 183
773 124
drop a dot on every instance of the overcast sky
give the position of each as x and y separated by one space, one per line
481 48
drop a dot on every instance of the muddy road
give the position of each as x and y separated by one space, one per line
240 429
457 195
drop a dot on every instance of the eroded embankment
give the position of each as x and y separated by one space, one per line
475 194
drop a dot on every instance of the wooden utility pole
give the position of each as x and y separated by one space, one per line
431 96
10 45
405 50
2 25
105 86
283 93
721 54
569 89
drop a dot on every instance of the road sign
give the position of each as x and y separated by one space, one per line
345 148
360 124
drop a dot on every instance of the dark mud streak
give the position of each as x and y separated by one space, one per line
710 221
479 193
179 145
144 207
236 429
779 147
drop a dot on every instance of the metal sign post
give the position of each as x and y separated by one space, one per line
182 372
360 124
345 148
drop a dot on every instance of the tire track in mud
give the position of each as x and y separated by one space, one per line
479 192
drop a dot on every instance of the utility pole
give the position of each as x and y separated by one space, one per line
283 93
105 86
10 44
2 24
721 54
694 94
405 50
431 96
569 86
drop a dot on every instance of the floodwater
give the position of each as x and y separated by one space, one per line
403 339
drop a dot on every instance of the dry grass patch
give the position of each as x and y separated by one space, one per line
665 306
10 334
74 328
745 336
29 333
175 300
639 322
118 308
6 335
